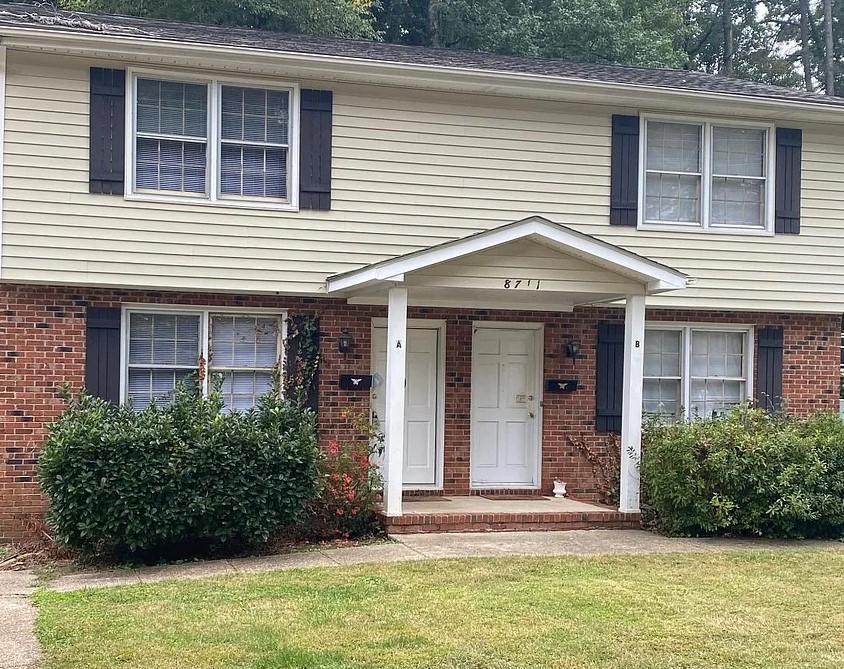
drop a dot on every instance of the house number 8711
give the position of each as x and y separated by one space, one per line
522 283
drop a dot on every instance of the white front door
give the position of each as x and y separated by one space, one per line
420 437
505 404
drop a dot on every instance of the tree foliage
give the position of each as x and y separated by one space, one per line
639 32
757 40
338 18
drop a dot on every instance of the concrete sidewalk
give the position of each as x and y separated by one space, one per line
18 645
433 546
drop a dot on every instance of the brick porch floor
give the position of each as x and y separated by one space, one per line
479 514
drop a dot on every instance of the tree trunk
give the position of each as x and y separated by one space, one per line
805 47
727 23
829 55
434 36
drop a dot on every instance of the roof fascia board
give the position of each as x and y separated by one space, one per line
458 78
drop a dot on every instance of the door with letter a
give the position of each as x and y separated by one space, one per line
505 407
421 412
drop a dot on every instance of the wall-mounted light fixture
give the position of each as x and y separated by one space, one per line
345 342
572 348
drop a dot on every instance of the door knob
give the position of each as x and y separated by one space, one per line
531 414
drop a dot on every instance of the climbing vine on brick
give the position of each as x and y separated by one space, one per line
302 360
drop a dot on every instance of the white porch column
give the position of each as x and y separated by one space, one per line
395 390
631 405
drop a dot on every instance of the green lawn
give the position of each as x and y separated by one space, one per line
741 609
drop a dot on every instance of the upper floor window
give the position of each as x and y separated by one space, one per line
209 141
707 175
253 142
171 145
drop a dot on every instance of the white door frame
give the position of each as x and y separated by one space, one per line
539 342
424 324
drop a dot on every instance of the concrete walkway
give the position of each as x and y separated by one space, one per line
432 546
18 645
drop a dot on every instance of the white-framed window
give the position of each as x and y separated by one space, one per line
211 140
163 349
254 142
696 371
706 175
244 351
239 349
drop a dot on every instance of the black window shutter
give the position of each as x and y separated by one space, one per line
609 382
787 199
107 131
315 149
292 360
769 368
102 353
624 170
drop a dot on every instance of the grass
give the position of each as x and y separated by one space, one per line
728 609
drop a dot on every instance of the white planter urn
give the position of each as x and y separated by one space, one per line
559 488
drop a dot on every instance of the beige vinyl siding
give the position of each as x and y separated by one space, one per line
410 169
524 261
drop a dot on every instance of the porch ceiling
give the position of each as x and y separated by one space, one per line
530 264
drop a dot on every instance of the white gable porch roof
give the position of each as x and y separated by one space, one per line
556 267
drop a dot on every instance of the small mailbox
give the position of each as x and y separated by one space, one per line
355 381
561 385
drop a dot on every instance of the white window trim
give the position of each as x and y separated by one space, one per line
204 313
685 354
704 226
212 196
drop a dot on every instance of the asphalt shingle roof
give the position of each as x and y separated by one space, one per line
44 17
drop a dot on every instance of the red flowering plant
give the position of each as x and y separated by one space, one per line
350 482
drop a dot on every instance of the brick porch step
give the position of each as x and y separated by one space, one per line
474 515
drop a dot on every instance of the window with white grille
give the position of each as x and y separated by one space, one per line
253 151
695 371
663 366
705 175
244 353
212 140
673 173
163 350
237 353
738 177
171 144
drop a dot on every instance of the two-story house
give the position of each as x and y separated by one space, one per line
510 258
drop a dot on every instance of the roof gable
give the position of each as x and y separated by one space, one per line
625 270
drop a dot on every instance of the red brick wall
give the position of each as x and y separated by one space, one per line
811 352
42 347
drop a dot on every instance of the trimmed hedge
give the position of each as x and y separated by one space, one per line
747 473
119 480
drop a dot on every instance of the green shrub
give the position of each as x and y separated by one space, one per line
120 480
747 473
